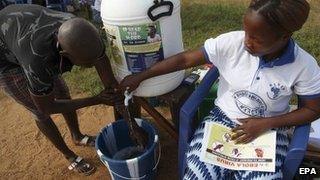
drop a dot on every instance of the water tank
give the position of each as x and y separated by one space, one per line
141 33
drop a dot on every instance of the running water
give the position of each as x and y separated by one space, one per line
138 135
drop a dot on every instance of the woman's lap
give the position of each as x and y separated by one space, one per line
197 169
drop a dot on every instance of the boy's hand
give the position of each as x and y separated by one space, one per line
109 97
250 129
131 81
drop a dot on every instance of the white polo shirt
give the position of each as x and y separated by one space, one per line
250 87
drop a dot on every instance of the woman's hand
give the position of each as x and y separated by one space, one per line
250 129
130 83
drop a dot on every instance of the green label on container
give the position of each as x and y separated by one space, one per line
142 46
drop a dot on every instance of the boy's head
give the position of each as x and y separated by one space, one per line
80 42
270 23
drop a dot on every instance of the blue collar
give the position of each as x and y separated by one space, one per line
286 57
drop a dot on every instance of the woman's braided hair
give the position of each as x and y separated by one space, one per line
286 16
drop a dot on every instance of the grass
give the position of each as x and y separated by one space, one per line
82 80
202 19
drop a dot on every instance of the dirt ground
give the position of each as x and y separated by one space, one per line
26 154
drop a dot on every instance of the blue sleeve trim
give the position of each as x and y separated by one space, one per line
314 96
206 55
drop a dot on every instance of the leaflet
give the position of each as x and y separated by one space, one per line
220 150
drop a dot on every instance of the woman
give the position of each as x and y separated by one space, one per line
260 69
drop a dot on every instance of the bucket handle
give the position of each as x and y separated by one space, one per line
158 4
137 178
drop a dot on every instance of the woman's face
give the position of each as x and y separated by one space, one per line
260 38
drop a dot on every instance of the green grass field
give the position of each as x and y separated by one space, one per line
202 19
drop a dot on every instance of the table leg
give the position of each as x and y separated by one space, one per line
160 120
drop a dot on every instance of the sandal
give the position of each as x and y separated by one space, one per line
87 141
81 166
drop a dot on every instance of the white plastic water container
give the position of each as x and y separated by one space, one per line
141 33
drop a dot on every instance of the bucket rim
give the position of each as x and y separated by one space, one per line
142 156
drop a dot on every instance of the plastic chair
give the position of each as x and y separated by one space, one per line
16 1
297 147
58 5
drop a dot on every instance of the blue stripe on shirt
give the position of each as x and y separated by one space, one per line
309 96
203 49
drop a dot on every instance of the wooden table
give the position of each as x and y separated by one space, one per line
174 99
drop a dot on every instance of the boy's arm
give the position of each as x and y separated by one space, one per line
105 73
174 63
49 105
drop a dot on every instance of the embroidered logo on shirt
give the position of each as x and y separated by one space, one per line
250 103
275 90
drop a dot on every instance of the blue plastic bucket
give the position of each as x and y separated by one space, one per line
115 137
